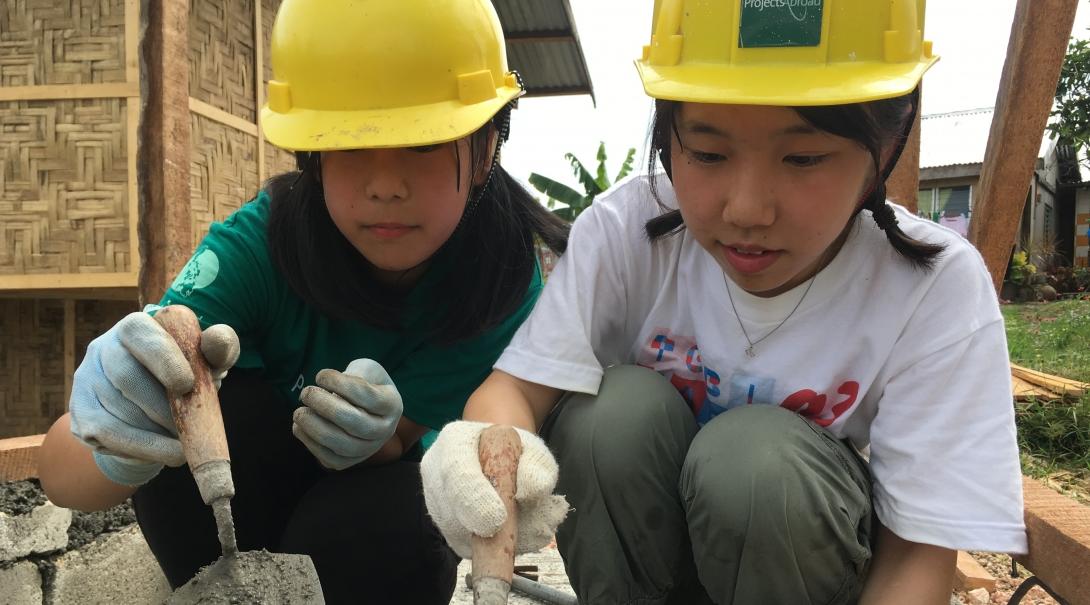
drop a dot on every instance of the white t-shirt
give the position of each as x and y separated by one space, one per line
911 363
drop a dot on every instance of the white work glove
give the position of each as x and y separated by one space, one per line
119 405
349 415
463 503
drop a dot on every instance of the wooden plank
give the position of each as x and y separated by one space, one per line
1024 391
128 293
903 184
1036 50
218 115
1058 528
132 41
132 129
133 190
61 92
69 346
165 228
971 575
259 87
19 457
1059 385
65 281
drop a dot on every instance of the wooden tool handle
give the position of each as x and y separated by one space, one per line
494 558
196 413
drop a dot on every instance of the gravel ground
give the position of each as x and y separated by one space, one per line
1000 567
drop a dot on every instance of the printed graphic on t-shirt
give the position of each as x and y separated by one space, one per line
678 358
201 270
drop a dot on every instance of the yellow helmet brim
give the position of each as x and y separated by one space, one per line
311 130
782 85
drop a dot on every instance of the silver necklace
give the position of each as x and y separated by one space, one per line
752 343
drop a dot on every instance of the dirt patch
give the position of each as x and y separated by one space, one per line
20 497
253 577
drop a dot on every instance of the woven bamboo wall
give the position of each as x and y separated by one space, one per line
222 59
230 158
37 356
64 187
223 172
69 111
66 176
31 365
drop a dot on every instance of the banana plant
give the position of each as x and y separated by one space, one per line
575 202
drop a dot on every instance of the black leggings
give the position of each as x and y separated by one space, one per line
365 528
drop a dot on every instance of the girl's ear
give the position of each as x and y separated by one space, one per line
481 173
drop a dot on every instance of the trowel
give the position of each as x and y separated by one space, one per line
237 577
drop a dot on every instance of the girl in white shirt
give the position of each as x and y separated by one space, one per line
720 341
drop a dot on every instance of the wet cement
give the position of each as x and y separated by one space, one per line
256 576
20 497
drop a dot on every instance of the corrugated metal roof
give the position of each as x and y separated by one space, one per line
959 137
543 45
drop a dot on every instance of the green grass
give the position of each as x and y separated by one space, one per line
1054 435
1051 337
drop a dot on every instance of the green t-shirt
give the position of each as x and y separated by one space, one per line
231 279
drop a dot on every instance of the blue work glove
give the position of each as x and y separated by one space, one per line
349 415
119 405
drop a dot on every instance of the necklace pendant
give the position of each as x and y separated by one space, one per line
750 352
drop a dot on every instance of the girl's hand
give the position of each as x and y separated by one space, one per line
119 406
349 415
463 503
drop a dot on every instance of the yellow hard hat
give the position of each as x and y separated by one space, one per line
384 73
785 52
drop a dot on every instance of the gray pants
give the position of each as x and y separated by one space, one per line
759 506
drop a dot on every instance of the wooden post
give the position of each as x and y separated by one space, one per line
259 89
903 184
165 230
1035 54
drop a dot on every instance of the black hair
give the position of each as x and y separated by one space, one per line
491 253
873 125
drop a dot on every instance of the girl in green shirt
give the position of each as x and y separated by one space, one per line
357 302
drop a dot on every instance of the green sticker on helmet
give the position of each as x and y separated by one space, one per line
780 23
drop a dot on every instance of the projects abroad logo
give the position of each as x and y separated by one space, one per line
788 4
780 23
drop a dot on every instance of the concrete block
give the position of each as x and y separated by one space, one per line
43 530
21 584
115 568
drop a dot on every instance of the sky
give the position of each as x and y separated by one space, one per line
970 36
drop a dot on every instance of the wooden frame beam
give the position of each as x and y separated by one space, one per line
1035 54
62 92
218 115
65 281
165 228
259 89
